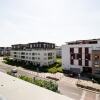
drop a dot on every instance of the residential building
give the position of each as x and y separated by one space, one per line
58 51
39 53
5 51
96 62
77 55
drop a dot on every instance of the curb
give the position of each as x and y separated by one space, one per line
89 90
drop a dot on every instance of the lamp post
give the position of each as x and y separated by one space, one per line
78 76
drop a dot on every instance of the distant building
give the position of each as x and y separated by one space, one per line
5 51
39 53
79 56
58 51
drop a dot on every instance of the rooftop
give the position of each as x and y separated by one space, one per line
12 88
89 41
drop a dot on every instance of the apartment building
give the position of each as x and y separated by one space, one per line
5 51
39 53
79 55
58 51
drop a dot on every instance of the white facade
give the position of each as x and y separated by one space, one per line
66 55
41 57
58 51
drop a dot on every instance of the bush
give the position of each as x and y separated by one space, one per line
56 67
60 69
96 79
9 73
43 83
52 70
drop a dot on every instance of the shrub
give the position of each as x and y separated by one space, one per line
96 79
56 67
43 83
60 69
9 73
52 70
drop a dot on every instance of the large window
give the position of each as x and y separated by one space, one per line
79 56
86 63
23 57
87 56
71 62
72 56
33 53
96 61
15 52
80 62
80 50
71 50
22 53
86 50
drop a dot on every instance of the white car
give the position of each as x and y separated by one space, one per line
14 70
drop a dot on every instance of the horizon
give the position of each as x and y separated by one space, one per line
54 21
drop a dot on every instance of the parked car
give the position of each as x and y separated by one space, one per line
14 70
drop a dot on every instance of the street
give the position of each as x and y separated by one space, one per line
66 85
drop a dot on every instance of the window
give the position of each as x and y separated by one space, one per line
30 45
26 53
71 62
96 61
71 50
80 50
29 57
49 57
39 45
80 62
86 63
33 58
38 53
79 56
26 57
15 52
86 50
49 54
72 56
96 57
22 57
52 46
33 53
15 56
22 53
87 56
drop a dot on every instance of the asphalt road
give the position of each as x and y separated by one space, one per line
69 90
65 85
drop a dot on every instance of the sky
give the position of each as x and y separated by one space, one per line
56 21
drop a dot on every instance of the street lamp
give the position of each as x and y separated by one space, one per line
79 76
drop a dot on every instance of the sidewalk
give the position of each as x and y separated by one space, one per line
88 85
